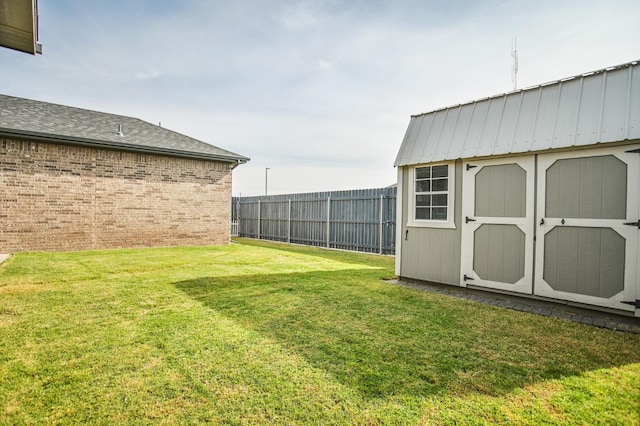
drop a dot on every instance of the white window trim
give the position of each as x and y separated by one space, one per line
411 191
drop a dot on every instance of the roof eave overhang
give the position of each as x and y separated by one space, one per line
121 146
594 145
19 26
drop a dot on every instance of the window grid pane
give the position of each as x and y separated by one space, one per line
423 213
439 213
423 186
423 200
440 185
423 173
440 171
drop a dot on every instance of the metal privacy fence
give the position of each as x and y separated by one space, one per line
357 220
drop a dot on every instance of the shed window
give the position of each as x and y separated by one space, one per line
431 192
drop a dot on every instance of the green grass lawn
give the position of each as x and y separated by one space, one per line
256 333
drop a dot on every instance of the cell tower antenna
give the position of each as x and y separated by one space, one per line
514 67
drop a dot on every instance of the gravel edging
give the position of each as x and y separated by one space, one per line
547 309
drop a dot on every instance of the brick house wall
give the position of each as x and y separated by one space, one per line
64 197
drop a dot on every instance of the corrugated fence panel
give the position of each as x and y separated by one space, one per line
248 219
309 221
358 220
274 220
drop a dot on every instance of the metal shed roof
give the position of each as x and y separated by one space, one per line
597 107
59 123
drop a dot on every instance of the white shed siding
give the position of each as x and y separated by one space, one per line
593 108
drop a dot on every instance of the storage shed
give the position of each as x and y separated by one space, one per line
533 192
76 179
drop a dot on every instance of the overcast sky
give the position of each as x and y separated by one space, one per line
321 92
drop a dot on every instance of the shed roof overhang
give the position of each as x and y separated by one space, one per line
593 108
19 25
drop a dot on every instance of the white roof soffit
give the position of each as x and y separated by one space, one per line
19 25
597 107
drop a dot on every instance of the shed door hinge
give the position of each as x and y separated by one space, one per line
635 303
469 166
633 223
467 278
467 219
634 151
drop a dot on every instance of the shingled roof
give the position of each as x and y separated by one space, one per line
45 121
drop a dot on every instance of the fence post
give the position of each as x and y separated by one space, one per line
329 221
381 223
259 219
238 214
289 224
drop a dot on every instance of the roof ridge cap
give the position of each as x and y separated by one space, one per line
537 86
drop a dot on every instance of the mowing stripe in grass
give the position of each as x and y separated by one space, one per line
256 333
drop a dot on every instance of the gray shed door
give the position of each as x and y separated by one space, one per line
498 223
587 245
